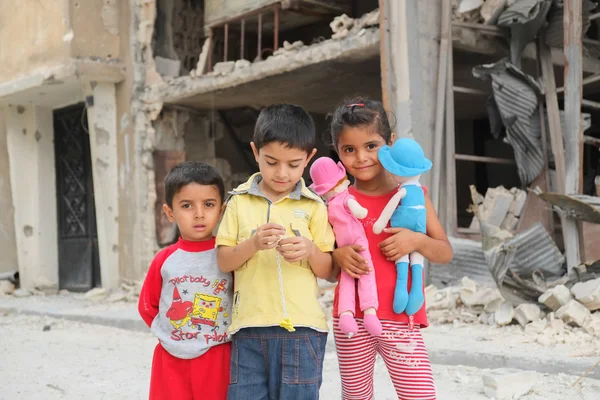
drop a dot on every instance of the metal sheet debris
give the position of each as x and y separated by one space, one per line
581 207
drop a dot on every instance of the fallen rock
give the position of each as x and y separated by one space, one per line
340 23
21 293
6 287
242 64
224 67
505 314
508 384
526 313
556 297
573 313
519 201
444 299
96 294
588 293
555 326
592 324
536 327
495 206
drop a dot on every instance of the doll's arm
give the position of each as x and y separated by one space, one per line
356 209
387 212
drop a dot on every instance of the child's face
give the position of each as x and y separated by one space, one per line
281 167
357 148
196 210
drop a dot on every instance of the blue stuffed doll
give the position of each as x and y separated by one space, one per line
406 209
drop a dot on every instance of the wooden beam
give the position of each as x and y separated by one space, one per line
440 105
586 81
573 135
451 217
481 159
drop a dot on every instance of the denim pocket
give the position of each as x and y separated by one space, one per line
302 359
233 364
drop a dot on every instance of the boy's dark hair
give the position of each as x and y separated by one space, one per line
285 123
192 172
359 111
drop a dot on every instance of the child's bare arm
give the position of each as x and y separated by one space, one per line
387 212
434 246
320 263
266 237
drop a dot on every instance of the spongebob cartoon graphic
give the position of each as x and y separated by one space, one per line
180 311
205 310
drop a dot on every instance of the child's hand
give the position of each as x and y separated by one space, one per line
348 259
295 248
267 236
403 241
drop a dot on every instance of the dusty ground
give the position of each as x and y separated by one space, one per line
71 360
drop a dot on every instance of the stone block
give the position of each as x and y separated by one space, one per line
495 206
505 314
588 293
573 313
556 297
508 384
526 313
518 203
592 324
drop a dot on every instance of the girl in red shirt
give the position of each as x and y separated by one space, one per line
359 127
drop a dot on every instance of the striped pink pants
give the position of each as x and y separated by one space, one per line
403 352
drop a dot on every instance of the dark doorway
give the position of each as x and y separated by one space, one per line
79 264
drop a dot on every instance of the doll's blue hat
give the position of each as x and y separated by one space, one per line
404 158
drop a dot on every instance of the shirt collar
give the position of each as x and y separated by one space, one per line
192 246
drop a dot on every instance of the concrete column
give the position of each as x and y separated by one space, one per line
102 121
30 138
8 242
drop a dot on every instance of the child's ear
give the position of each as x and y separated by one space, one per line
310 156
168 212
393 138
254 150
222 210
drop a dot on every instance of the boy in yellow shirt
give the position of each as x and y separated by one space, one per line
277 240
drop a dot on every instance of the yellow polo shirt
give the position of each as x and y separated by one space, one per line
257 298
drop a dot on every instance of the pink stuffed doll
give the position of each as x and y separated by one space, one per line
330 182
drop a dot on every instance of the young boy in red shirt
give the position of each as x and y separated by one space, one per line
186 300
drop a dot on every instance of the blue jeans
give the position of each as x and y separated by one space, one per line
272 363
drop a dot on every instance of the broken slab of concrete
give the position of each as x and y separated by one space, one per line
526 313
500 207
588 293
573 313
505 314
508 384
556 297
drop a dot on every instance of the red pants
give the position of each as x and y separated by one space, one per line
204 377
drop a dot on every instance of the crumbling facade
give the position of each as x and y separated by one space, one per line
116 93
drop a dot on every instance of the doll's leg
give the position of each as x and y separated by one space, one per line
367 294
401 292
416 297
346 304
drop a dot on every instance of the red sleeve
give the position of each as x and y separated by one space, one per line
150 293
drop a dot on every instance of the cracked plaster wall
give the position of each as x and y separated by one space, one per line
8 244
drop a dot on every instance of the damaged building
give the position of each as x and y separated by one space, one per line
113 94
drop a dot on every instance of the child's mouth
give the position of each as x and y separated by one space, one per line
199 227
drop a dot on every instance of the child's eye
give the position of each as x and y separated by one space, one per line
209 205
348 150
294 166
371 146
271 163
186 206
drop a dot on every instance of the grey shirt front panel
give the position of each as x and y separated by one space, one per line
195 304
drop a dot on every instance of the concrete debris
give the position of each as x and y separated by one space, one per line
203 59
96 294
242 64
6 287
588 293
491 10
526 313
556 297
592 324
287 46
573 313
507 384
445 299
505 314
469 5
22 293
343 25
536 327
555 326
223 68
167 67
500 207
119 295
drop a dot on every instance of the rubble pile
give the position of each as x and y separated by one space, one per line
500 207
560 312
343 25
